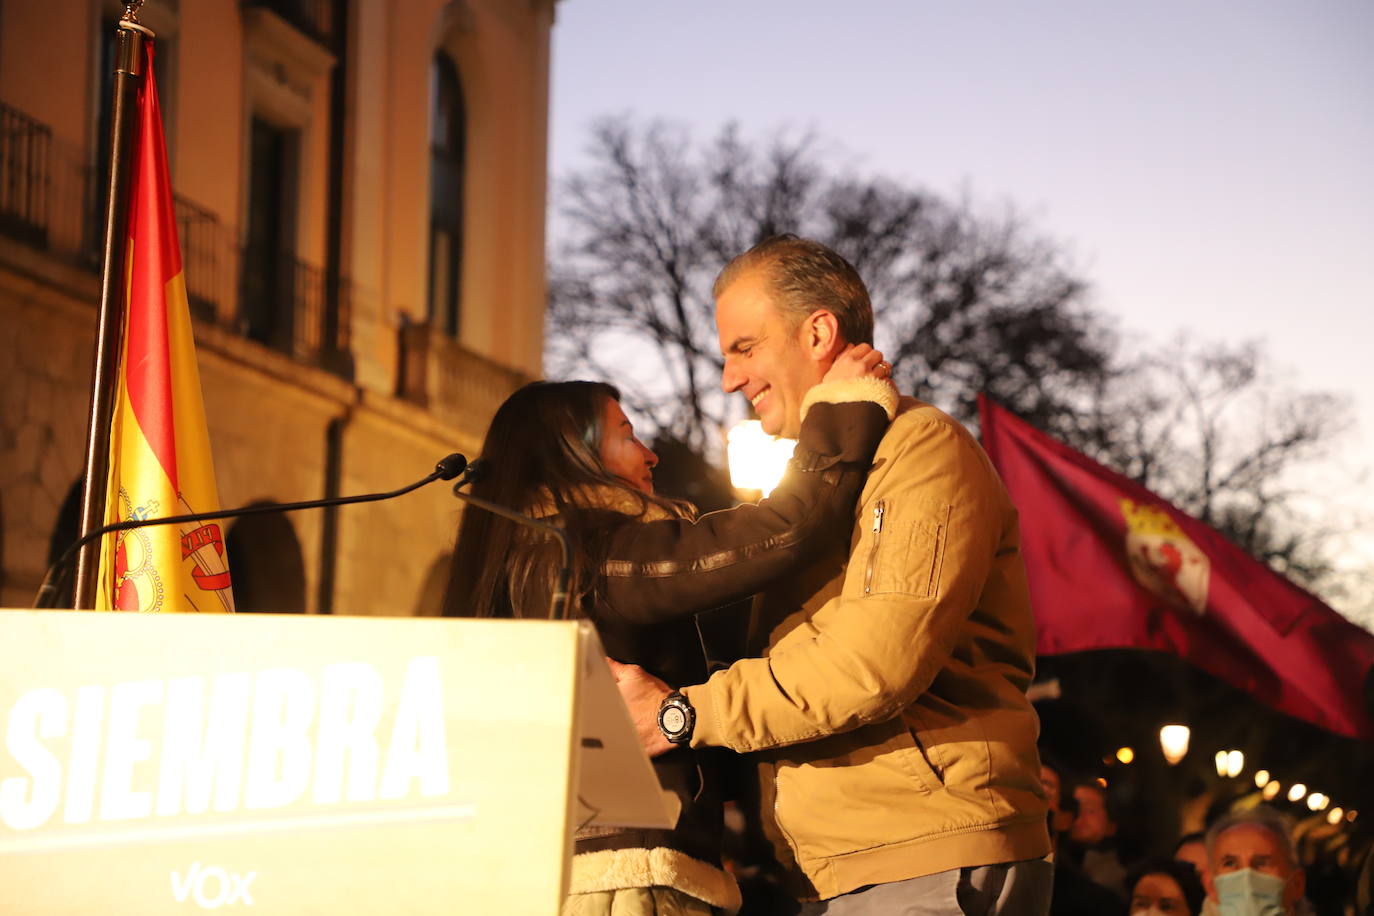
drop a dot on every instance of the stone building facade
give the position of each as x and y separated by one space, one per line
360 199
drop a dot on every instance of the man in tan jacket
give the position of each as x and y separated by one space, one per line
887 710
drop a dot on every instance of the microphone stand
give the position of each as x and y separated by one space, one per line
558 601
447 469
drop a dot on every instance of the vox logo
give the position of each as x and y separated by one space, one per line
212 887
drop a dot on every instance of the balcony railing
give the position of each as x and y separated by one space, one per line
207 260
45 189
25 151
48 200
439 373
272 297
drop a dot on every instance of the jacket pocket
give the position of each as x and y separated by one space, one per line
906 550
876 775
913 758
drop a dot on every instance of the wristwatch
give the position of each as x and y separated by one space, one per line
677 718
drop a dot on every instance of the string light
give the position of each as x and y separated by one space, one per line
1296 792
1235 763
1261 778
1173 741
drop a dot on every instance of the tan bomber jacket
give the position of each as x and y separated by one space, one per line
888 712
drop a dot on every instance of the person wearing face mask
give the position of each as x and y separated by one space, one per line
1164 887
1252 866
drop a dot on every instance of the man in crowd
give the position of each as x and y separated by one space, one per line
1252 865
886 710
1091 841
1075 894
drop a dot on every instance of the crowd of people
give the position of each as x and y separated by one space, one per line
876 700
1244 863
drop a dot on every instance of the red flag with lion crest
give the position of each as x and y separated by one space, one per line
1111 565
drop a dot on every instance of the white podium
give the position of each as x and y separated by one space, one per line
287 764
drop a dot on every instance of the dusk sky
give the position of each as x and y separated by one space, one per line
1206 166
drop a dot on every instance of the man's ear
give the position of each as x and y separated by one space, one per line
1297 886
821 335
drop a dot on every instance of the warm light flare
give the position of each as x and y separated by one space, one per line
1125 754
1334 816
1271 790
1235 763
1317 802
1296 792
1173 741
757 460
1261 778
1221 763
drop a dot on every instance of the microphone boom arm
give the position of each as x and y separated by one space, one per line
447 469
558 601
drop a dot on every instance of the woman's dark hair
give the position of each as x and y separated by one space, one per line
542 457
1183 873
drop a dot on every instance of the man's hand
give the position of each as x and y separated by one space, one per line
643 694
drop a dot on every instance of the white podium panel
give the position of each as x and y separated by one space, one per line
288 764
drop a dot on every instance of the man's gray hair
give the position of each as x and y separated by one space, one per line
804 276
1261 816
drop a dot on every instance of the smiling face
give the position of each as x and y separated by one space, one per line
622 454
766 359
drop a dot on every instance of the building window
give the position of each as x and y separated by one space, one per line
448 143
269 259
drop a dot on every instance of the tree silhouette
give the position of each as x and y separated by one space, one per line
964 302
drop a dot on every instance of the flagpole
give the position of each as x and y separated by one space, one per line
109 324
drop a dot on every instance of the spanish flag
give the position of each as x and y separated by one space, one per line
159 447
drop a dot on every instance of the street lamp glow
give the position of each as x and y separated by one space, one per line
757 460
1296 792
1261 778
1125 754
1271 790
1173 741
1235 763
1334 816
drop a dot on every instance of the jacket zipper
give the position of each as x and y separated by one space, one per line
878 510
777 818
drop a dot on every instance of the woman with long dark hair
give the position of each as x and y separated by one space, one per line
566 452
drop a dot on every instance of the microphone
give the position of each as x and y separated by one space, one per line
558 600
449 467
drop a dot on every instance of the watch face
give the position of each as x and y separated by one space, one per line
674 720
